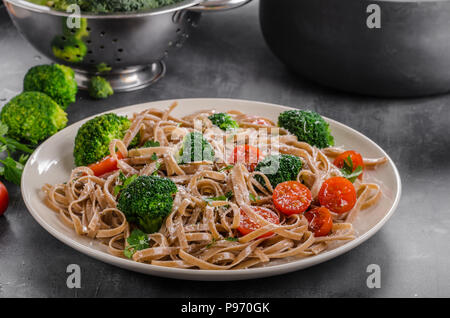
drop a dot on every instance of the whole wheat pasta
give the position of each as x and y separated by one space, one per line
202 234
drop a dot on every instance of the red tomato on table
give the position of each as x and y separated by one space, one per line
338 195
247 226
4 198
320 221
291 197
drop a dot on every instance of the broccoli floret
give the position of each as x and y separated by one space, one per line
223 121
69 48
57 81
147 201
94 136
279 168
195 148
103 68
99 88
308 126
33 117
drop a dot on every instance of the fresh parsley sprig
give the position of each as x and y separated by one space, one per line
151 143
229 167
125 182
137 241
348 172
225 197
253 198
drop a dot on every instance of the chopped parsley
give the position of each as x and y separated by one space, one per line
151 143
229 167
225 197
253 198
137 241
125 182
348 172
213 241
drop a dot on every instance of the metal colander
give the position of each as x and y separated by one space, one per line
128 49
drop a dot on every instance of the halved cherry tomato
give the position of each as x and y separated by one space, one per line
105 165
356 158
291 197
338 195
247 226
249 155
4 198
320 221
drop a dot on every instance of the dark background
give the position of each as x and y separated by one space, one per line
227 57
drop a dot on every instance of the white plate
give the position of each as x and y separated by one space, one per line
52 162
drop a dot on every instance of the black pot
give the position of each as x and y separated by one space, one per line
328 41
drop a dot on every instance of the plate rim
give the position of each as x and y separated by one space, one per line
214 275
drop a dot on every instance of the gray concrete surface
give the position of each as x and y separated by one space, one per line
227 57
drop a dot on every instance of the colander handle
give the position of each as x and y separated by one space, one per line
218 5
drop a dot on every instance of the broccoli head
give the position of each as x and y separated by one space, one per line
33 117
69 48
94 136
308 126
279 168
223 121
196 148
99 88
147 201
57 81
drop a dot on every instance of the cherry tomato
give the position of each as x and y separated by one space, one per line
105 165
291 197
249 155
356 158
247 226
4 198
338 195
320 221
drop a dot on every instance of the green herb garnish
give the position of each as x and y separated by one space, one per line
225 197
226 168
137 241
348 172
125 182
151 143
157 166
253 198
212 243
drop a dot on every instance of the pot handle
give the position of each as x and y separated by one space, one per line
218 5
